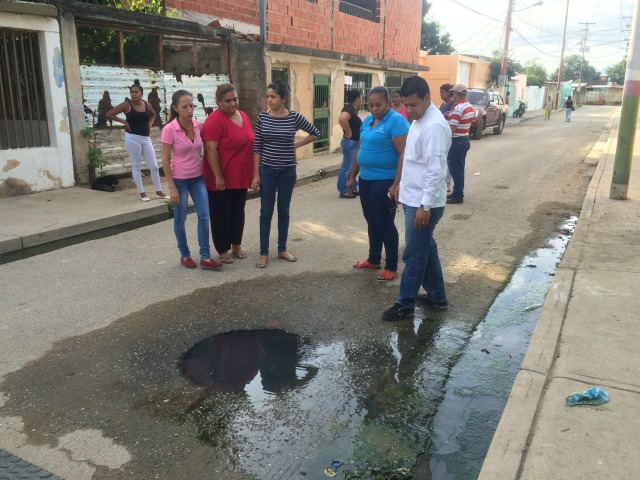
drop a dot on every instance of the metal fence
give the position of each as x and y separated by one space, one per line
23 108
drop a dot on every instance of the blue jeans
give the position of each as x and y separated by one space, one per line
567 114
455 161
281 181
198 191
422 263
349 148
380 214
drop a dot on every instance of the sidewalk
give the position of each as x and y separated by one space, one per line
48 220
588 334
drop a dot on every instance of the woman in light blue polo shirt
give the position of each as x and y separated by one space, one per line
379 161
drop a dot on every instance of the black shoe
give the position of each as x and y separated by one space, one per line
454 200
397 312
435 305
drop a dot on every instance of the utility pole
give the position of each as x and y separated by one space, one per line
628 115
505 51
584 48
564 39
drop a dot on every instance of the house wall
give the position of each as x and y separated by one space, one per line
445 69
26 170
301 74
240 15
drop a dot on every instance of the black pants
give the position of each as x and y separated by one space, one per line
226 209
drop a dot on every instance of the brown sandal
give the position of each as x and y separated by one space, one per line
287 256
262 263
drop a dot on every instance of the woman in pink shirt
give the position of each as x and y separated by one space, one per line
181 148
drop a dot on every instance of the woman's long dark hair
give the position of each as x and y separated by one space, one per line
175 98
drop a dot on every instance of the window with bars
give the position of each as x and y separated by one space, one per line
394 81
23 106
280 74
359 81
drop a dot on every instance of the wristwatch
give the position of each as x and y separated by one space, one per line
425 208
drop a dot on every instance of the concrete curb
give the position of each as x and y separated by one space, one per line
508 449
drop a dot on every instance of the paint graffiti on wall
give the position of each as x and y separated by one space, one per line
58 70
64 123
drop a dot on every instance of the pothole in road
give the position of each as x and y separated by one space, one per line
259 362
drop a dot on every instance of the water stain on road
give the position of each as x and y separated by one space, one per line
259 379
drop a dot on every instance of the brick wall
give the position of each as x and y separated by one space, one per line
240 10
402 33
300 23
304 23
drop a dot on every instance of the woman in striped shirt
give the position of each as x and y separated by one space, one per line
274 157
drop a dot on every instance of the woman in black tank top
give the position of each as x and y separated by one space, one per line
139 118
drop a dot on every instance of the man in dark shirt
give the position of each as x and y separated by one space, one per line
350 122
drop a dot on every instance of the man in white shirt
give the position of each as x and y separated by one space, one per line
422 193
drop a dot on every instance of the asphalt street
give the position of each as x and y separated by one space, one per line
92 334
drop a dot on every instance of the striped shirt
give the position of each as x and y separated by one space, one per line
461 117
275 137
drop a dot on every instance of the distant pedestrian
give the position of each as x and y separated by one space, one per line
460 120
379 162
228 171
397 106
548 106
350 122
139 118
423 195
446 95
181 148
568 108
274 154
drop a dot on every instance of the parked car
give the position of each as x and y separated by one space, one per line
490 111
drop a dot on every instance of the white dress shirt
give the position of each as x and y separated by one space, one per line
425 161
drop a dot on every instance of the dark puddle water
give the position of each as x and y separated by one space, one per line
258 362
480 382
424 401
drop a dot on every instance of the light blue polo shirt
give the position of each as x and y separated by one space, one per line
377 158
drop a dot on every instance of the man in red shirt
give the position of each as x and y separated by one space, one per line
460 120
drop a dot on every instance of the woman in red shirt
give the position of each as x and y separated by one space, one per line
228 171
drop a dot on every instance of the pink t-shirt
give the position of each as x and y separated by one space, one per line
185 154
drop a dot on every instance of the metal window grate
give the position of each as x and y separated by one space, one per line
356 11
23 117
280 74
321 114
361 82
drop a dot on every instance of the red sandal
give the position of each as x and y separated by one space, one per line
365 264
387 276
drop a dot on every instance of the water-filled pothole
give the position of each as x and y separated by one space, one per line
258 362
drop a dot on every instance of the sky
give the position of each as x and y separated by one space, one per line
477 28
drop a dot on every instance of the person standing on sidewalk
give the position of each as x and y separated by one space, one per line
379 162
548 106
423 195
460 120
137 126
274 170
228 171
350 122
397 106
181 148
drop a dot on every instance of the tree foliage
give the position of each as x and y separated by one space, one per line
514 67
102 46
431 39
536 74
571 70
616 72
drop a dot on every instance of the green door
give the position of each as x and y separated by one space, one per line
321 86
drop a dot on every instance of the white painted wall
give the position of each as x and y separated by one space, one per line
43 168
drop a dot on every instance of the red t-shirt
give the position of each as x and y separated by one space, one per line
235 150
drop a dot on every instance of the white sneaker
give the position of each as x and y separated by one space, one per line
145 199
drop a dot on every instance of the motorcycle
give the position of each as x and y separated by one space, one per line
518 112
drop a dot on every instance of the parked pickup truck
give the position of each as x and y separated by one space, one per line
491 111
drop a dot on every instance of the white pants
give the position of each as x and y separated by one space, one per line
138 147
